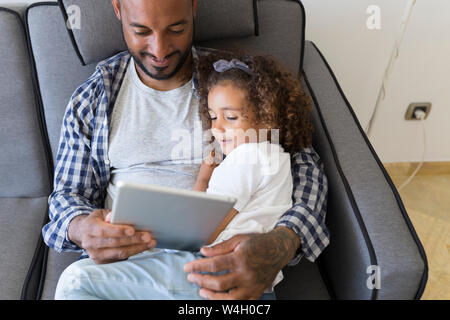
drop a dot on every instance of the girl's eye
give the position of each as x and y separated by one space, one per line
232 118
213 118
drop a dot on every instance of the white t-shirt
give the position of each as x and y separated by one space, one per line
259 176
156 137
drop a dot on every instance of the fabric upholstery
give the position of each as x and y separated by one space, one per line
385 237
58 69
281 38
56 263
366 218
23 167
302 282
217 19
24 171
20 228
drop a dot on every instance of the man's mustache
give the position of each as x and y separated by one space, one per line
154 57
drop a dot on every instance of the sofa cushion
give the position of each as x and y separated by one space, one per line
56 263
302 282
20 228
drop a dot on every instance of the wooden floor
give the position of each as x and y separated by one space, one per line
427 200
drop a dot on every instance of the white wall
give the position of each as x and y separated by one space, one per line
359 57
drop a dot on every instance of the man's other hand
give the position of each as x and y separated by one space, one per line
106 242
253 261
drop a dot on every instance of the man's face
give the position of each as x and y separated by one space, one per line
158 33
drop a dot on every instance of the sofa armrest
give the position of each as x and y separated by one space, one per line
374 251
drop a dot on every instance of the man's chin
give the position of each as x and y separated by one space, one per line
160 75
165 73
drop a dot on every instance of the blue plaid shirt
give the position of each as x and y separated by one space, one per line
82 169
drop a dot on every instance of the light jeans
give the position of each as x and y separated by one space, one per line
151 275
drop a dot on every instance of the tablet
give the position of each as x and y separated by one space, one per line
179 219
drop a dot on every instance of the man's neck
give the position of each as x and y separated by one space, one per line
179 79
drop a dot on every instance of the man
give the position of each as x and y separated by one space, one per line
117 126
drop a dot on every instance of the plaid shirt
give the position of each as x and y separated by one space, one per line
82 170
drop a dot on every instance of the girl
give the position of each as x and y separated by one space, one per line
242 99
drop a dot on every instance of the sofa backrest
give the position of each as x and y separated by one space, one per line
59 70
257 28
216 19
57 66
24 168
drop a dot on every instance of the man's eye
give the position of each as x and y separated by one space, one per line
143 33
177 31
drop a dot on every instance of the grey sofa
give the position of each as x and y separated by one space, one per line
42 63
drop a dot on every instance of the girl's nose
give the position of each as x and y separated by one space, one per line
218 126
217 133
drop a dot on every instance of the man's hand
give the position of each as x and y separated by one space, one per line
105 242
253 261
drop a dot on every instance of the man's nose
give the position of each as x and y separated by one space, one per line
159 45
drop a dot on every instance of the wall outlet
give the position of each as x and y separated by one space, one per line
424 106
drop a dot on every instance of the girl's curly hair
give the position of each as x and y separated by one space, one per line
277 100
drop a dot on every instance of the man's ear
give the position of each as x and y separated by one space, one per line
116 7
194 7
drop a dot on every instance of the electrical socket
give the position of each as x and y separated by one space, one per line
424 106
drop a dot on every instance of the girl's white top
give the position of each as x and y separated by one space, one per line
259 176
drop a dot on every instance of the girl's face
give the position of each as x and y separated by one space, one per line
229 128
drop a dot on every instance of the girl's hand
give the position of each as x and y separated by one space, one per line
211 159
205 172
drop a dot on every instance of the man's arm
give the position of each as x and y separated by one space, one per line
255 259
76 191
307 217
75 221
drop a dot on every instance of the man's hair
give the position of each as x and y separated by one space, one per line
192 2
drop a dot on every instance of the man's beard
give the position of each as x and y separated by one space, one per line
159 76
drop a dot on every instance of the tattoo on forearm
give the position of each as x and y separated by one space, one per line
268 253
